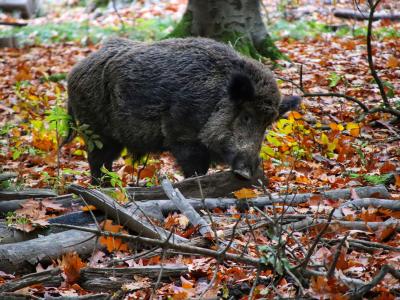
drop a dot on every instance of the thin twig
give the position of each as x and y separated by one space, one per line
331 270
317 239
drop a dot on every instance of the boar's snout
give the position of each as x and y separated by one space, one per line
245 166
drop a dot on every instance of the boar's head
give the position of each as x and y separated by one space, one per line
236 128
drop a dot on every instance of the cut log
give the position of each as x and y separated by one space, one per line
112 279
125 217
46 278
26 194
160 208
27 8
358 15
22 257
215 185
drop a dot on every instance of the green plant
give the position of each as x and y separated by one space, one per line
92 140
334 79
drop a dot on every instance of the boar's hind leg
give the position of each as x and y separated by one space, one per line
194 159
104 156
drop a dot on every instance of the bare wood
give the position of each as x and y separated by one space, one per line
160 208
7 175
361 16
374 202
168 245
13 205
359 292
215 185
26 194
184 206
126 218
112 279
22 257
27 8
46 278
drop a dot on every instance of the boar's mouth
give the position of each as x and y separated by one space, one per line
243 174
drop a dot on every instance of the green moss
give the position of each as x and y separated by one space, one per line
245 45
268 49
183 29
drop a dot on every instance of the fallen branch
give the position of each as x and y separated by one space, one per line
22 257
168 245
184 206
46 278
160 208
125 217
26 194
362 16
112 279
360 292
216 185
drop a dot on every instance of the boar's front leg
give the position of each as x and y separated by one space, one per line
104 156
193 158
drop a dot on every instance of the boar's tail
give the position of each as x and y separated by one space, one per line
71 128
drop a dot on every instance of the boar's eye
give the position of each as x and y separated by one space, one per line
246 118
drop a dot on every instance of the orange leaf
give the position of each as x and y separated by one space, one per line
186 284
392 62
245 194
88 208
112 244
397 180
71 264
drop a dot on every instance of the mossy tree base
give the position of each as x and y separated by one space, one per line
233 22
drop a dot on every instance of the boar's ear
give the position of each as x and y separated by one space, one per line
240 88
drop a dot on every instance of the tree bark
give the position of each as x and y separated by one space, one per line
237 22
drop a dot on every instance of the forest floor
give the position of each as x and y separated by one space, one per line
324 146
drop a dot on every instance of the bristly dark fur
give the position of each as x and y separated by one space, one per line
178 95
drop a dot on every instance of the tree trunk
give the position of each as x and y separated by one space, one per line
237 22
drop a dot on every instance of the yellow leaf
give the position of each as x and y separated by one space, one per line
268 150
245 194
337 127
324 139
353 128
273 140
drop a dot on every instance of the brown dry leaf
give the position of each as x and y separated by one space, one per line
385 231
245 194
71 264
52 206
393 62
23 73
387 167
397 181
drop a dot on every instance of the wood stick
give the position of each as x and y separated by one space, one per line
184 206
361 16
168 245
22 257
120 213
47 278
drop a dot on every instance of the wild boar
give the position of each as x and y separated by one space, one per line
195 97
